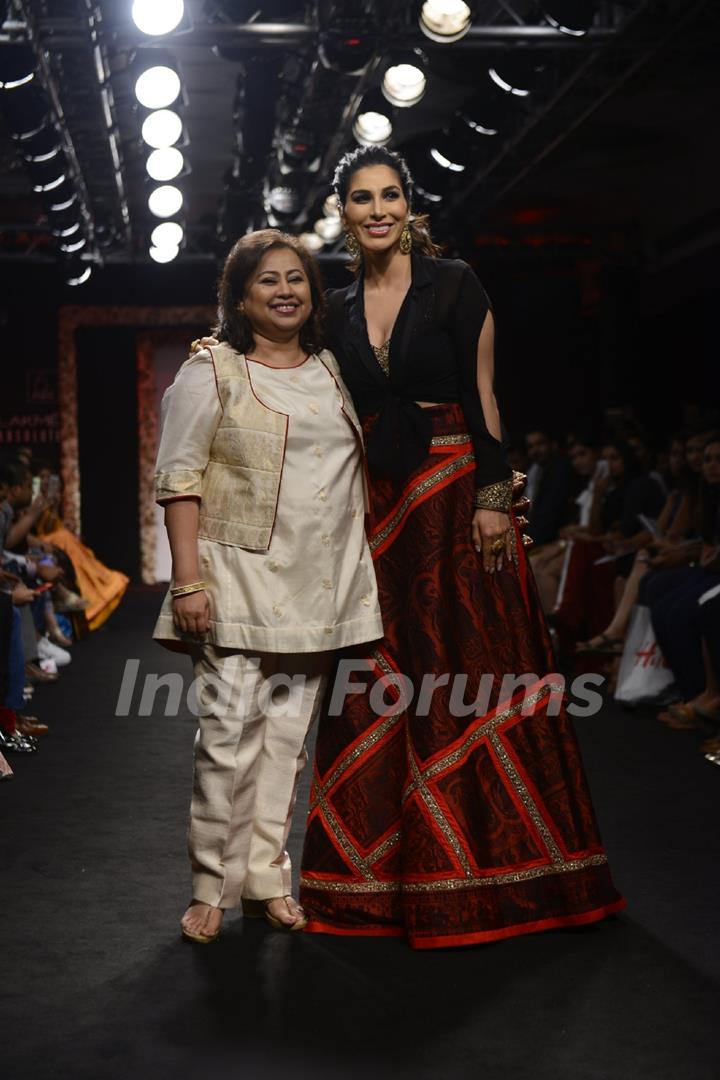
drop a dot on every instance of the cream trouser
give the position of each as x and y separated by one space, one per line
255 711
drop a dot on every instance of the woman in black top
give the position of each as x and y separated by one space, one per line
449 810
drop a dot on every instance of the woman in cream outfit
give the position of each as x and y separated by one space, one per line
260 470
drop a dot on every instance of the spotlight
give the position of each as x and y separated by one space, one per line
17 66
328 228
165 201
299 150
445 20
62 198
404 80
163 254
43 146
165 164
283 199
445 162
330 206
162 128
65 231
156 17
312 241
515 74
574 17
26 110
157 87
168 234
349 50
69 246
373 124
488 113
77 272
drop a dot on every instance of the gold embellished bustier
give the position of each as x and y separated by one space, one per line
382 355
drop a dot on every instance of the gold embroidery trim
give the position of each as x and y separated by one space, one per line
449 440
511 877
484 730
527 800
426 795
352 853
420 489
382 355
497 496
383 848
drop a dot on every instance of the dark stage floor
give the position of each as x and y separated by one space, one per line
97 982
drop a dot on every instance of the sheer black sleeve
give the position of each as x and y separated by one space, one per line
468 315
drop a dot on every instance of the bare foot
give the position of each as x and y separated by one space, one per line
285 909
202 919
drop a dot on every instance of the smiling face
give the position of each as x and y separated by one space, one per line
375 209
277 300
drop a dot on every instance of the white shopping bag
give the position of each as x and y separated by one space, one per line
644 673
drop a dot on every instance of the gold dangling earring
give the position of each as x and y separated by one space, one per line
352 245
406 239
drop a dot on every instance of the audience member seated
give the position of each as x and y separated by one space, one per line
549 486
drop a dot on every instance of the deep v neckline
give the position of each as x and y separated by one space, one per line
382 352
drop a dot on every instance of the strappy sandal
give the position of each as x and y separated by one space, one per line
258 909
611 645
682 718
200 939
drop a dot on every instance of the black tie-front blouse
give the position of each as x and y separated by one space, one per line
433 357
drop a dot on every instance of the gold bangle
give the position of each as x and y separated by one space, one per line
186 590
496 496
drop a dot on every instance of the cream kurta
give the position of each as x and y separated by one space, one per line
314 589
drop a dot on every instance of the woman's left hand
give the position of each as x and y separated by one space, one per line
488 526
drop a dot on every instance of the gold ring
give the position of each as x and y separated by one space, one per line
194 344
498 545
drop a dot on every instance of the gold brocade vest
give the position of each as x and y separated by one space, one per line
241 483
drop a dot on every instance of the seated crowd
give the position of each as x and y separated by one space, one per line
618 527
53 591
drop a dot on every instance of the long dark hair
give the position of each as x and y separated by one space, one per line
709 502
242 262
362 158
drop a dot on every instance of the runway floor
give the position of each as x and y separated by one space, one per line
96 982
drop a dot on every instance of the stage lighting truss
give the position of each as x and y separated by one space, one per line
404 79
445 21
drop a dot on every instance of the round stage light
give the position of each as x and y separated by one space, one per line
163 254
445 20
445 162
372 129
73 245
404 81
574 17
78 274
155 17
157 87
162 128
328 228
330 206
312 241
515 74
165 164
17 66
165 201
168 234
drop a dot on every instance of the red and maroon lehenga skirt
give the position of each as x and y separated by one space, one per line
450 829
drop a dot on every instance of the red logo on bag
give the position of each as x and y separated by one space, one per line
650 657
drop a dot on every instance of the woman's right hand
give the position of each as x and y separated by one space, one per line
191 613
202 343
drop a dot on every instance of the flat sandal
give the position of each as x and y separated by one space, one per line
258 909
